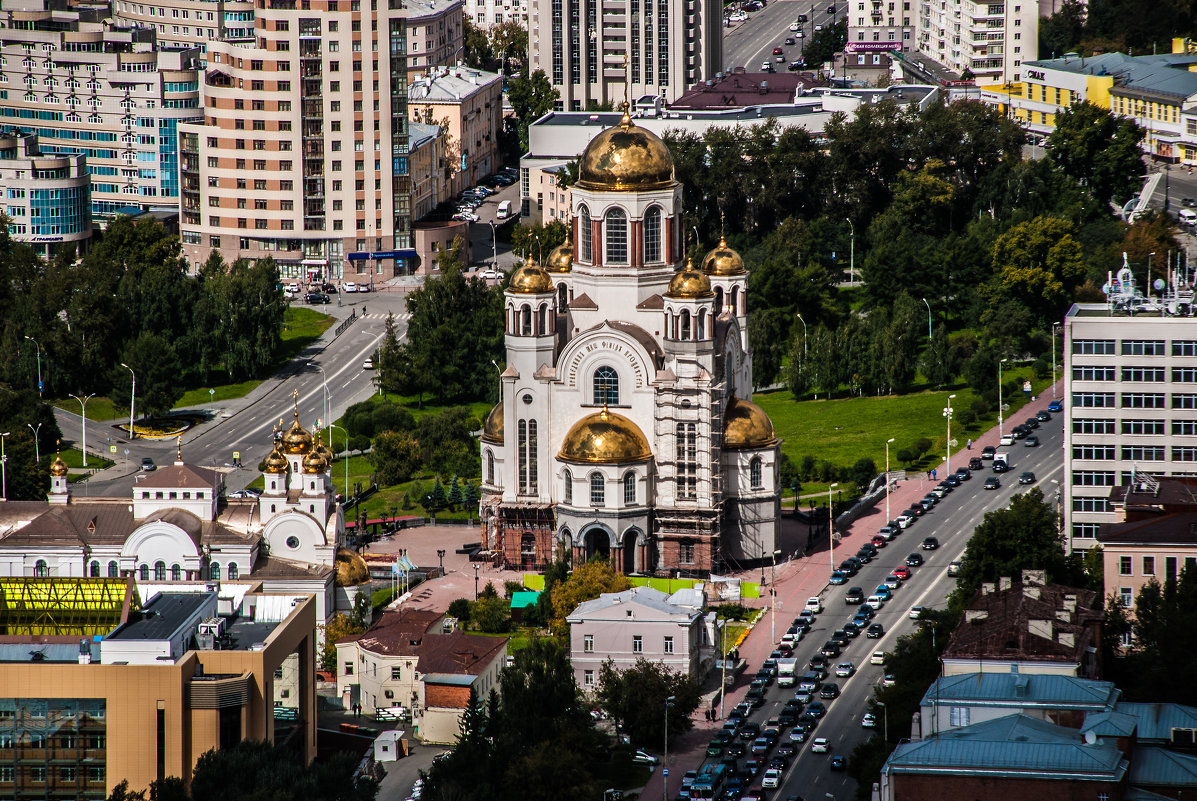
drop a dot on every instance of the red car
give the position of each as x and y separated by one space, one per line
902 572
880 541
777 51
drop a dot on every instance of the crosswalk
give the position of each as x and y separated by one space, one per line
399 317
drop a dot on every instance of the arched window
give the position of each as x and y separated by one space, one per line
685 332
702 324
615 236
144 572
718 300
233 572
754 473
95 569
159 571
629 487
490 467
598 494
41 569
214 571
735 300
568 480
176 573
526 321
585 235
652 235
542 320
114 570
606 386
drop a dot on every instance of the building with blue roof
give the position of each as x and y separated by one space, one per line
955 701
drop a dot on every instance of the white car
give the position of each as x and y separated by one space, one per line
818 27
490 274
844 669
813 604
916 612
466 216
820 745
794 26
349 286
878 658
1007 439
868 721
644 757
772 779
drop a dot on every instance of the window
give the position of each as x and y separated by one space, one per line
958 716
144 572
1148 565
41 569
585 234
668 646
1143 374
629 488
396 673
490 467
597 489
1087 426
615 236
588 643
1098 347
686 552
687 461
1084 531
652 235
1143 347
1093 478
1184 428
1184 454
588 678
214 571
114 570
349 668
637 644
233 571
1125 597
1183 401
1090 373
1083 504
1095 452
159 571
1142 400
568 481
606 386
527 457
1093 399
1143 427
1184 347
1143 453
754 473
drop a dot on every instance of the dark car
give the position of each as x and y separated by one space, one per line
147 464
817 661
952 481
975 463
329 288
838 578
1000 467
964 473
916 510
829 691
786 751
736 750
914 560
865 556
1043 416
788 717
816 708
1026 477
875 631
993 482
850 566
851 629
854 596
755 696
838 763
749 731
830 650
988 451
797 65
930 544
1020 432
1031 422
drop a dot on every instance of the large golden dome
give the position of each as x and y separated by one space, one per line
626 157
297 440
314 463
605 438
492 431
746 426
723 261
689 284
531 279
561 259
275 462
351 569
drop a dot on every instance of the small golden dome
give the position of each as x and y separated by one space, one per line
531 279
297 440
351 569
314 463
561 260
605 438
492 431
625 157
58 467
689 284
746 426
723 261
275 463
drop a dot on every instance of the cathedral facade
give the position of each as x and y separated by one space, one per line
625 426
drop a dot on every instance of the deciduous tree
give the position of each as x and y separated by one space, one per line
585 583
1098 149
635 698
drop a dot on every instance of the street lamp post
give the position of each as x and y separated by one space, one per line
38 347
887 444
494 247
928 319
947 413
327 410
37 453
1003 361
3 471
851 250
773 599
132 401
83 406
884 720
440 554
799 316
475 581
831 526
665 758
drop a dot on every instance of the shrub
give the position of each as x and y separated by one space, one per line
492 614
922 445
732 611
512 587
392 417
460 609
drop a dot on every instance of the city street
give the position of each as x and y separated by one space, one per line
750 43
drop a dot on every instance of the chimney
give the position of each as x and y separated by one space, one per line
975 615
1067 639
1031 592
1004 583
1070 602
1021 685
1064 615
84 652
988 588
1036 577
1040 628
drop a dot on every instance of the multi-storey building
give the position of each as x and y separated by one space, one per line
46 197
1130 409
428 167
189 23
109 92
303 151
591 50
881 25
488 13
991 40
434 33
468 103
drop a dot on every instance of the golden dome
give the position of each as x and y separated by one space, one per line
531 279
275 463
561 260
746 426
605 438
297 440
723 261
351 569
58 467
314 463
689 284
492 431
625 157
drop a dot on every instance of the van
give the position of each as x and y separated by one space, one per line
504 210
813 604
1187 216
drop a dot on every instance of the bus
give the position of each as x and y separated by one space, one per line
709 784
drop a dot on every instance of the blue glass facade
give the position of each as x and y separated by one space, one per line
59 211
168 156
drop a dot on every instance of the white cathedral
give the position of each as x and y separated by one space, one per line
624 428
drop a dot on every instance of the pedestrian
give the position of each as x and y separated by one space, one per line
363 310
706 713
970 444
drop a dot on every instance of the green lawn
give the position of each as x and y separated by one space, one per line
98 408
205 395
74 459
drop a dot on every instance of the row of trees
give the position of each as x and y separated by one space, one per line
1129 26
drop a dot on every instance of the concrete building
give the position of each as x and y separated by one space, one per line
468 104
624 428
640 623
428 168
486 14
144 702
964 699
406 666
601 53
991 40
435 35
108 91
1130 407
46 197
880 26
303 151
189 23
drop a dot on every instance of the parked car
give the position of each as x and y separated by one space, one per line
797 65
838 577
316 297
1043 416
1055 406
975 463
987 452
349 286
964 473
643 757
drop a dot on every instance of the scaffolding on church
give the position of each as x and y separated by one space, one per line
524 535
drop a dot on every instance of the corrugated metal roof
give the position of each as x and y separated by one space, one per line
1022 689
1156 721
1158 767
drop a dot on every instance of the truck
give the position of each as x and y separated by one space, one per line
787 672
1001 458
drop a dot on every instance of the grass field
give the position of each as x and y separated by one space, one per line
98 408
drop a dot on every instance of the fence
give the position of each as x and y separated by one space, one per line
348 321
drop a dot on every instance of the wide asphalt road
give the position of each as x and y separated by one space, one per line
750 43
952 522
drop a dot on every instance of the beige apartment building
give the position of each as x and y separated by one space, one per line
468 103
488 13
87 85
189 23
990 39
435 34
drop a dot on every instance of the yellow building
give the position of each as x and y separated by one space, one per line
186 673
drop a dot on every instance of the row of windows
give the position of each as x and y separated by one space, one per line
637 644
1137 453
1135 347
1180 375
42 569
614 236
1133 400
1171 563
66 773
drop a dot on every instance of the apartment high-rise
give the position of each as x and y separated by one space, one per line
84 85
881 25
989 39
46 197
189 23
303 151
590 50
